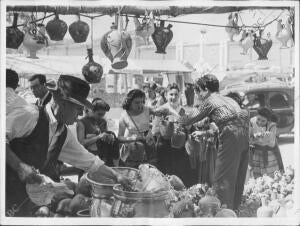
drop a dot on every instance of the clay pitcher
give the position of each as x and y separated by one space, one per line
262 47
246 42
116 45
34 39
162 36
14 37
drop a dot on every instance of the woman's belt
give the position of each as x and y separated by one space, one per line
230 121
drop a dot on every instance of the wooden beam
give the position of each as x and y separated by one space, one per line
135 10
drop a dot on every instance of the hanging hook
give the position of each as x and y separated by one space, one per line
92 29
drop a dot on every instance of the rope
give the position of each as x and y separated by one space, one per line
255 26
92 29
37 20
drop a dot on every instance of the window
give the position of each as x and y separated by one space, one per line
254 100
279 100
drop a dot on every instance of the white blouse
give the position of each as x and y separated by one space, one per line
142 121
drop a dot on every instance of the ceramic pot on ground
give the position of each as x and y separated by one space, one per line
14 37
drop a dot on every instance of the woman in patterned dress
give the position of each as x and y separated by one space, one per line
266 157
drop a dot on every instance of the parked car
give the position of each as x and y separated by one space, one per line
275 94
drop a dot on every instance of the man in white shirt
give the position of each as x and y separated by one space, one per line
39 89
37 138
13 100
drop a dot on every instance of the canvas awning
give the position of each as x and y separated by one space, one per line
158 66
52 66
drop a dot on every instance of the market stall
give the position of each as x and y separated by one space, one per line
150 193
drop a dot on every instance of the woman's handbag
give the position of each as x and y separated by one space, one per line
139 152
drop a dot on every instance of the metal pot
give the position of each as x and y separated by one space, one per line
140 204
105 190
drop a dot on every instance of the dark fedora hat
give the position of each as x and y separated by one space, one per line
73 89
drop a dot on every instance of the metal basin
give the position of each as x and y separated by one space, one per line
142 204
103 187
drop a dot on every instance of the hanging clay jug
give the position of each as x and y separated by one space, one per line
14 37
92 71
56 29
162 36
116 45
34 39
262 46
284 33
246 42
79 31
265 210
232 24
145 29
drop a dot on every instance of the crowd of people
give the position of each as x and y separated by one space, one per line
214 142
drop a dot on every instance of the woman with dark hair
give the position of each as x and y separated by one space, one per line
266 158
232 156
134 130
93 135
170 158
160 96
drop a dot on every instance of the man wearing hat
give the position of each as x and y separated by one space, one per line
13 100
37 138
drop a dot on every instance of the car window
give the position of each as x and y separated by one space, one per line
254 100
279 100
